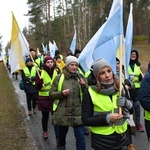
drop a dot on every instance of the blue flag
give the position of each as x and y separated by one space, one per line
73 44
129 37
54 43
52 49
106 41
44 48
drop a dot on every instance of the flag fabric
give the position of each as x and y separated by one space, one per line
106 41
52 49
44 48
54 43
73 43
19 47
128 40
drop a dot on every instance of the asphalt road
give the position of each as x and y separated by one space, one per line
35 129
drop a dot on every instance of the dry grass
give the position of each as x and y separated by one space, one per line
13 134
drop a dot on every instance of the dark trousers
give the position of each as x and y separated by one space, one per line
31 100
45 118
79 135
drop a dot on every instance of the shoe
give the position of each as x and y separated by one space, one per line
131 147
139 127
29 113
34 111
86 130
45 135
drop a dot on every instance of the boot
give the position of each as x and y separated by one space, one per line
131 147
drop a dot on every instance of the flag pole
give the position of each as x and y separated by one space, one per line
120 77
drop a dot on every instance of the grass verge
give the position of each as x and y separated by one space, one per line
13 135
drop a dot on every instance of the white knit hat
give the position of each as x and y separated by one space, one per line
70 59
98 64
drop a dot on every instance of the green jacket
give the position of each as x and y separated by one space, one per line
68 112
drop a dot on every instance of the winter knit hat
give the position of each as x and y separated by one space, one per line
70 59
28 59
47 58
98 64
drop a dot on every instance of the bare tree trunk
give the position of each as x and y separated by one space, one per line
64 23
49 18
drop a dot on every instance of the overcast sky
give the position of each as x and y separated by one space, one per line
19 8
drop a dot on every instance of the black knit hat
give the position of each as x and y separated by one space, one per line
28 59
31 49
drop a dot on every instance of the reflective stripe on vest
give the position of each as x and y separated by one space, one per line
136 74
47 82
56 102
37 62
86 74
103 104
30 74
61 80
147 115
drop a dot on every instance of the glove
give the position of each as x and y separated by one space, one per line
129 83
124 102
39 84
40 81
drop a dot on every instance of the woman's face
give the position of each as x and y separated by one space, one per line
50 63
133 56
105 75
72 67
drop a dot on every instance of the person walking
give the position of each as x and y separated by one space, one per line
135 76
60 63
85 74
37 60
145 100
67 91
100 108
43 85
126 85
28 75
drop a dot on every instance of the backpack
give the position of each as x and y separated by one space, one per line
21 85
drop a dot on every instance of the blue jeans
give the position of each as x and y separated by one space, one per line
137 109
79 135
136 104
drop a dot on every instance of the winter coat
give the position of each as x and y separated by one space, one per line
99 141
29 87
45 103
68 112
134 93
144 94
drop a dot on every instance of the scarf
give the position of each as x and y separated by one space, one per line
109 89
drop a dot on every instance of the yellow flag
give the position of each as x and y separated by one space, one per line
19 47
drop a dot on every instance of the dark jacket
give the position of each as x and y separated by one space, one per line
144 94
98 141
29 87
68 112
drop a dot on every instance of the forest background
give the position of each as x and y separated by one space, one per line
84 16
